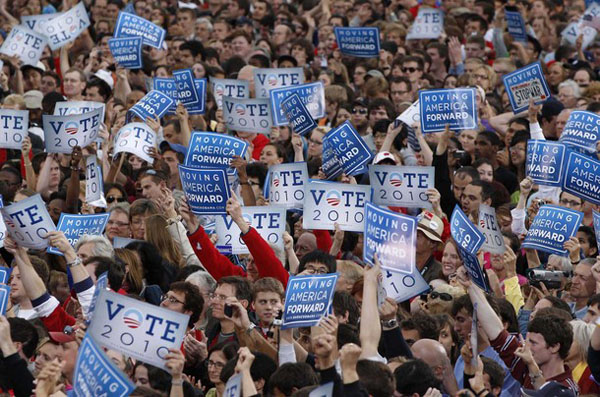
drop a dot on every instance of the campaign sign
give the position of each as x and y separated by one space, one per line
268 79
582 131
544 162
328 203
93 180
233 387
311 95
551 228
62 133
401 286
153 104
358 42
332 166
167 86
137 329
392 236
207 191
96 375
213 150
75 226
66 27
130 25
122 242
200 106
411 115
286 184
269 222
65 108
24 43
597 227
135 138
14 125
429 24
325 390
401 186
582 177
4 295
127 51
455 107
101 283
186 90
466 235
525 84
488 226
473 267
28 222
248 115
4 274
38 22
575 29
229 87
516 26
297 115
350 148
3 234
307 300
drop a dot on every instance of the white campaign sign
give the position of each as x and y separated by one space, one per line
137 329
411 115
28 222
13 128
38 22
286 184
62 133
3 233
67 27
93 180
488 225
429 24
24 43
233 388
401 186
269 222
66 108
136 138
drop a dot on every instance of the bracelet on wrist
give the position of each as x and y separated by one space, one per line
178 382
76 262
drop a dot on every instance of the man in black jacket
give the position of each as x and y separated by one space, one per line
18 340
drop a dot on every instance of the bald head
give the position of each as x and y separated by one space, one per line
307 242
433 353
247 73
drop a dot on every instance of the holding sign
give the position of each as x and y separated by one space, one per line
186 91
551 228
515 25
488 226
167 86
135 138
62 133
127 51
67 27
75 226
473 267
429 24
248 115
596 215
213 150
311 95
130 25
286 184
466 235
525 84
297 115
582 131
229 87
358 42
153 104
14 125
24 43
307 300
455 107
350 148
94 187
268 79
77 107
544 162
582 177
401 186
207 191
28 222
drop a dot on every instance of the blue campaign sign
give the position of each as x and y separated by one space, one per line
473 267
516 26
525 84
28 222
332 166
597 227
582 131
297 115
350 148
582 177
96 375
392 236
186 89
358 42
464 232
307 300
229 87
200 106
167 86
154 103
4 295
129 25
455 107
213 150
207 191
544 162
4 274
312 96
101 283
75 226
127 51
269 79
551 228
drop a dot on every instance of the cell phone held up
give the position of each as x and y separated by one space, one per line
228 310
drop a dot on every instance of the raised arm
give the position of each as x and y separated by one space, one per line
74 185
184 121
370 326
247 193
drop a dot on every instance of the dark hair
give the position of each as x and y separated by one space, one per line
593 300
464 302
183 273
350 241
520 136
508 315
156 270
103 87
347 333
344 302
477 18
382 102
491 137
414 58
292 375
194 46
257 170
468 170
415 376
24 332
243 288
487 190
194 301
376 377
494 371
262 367
118 186
591 236
115 269
555 330
318 256
558 304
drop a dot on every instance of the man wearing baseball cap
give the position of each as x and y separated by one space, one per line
429 236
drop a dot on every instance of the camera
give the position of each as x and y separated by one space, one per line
552 279
463 158
228 311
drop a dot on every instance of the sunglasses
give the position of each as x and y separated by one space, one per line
359 111
409 70
110 199
442 295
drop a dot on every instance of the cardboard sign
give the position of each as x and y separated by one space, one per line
167 86
135 138
327 203
286 184
544 163
297 115
332 166
96 375
14 125
488 226
4 274
213 150
62 133
233 387
206 190
516 26
392 236
455 107
358 42
582 131
466 235
127 51
525 84
28 222
582 174
3 234
551 228
401 286
130 25
229 87
473 267
575 29
101 283
37 23
24 43
186 90
307 300
153 104
248 115
4 295
66 108
429 24
597 227
269 222
67 27
350 148
411 115
75 226
311 95
94 186
268 79
401 186
137 329
325 390
200 106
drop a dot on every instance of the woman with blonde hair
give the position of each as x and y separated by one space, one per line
577 358
158 235
485 77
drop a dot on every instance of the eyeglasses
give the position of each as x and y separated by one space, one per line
217 297
171 299
117 223
214 364
359 111
410 70
315 142
110 199
313 270
442 295
571 203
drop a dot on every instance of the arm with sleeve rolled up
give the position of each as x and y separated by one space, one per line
240 164
519 212
370 326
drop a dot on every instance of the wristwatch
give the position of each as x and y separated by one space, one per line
250 328
389 324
